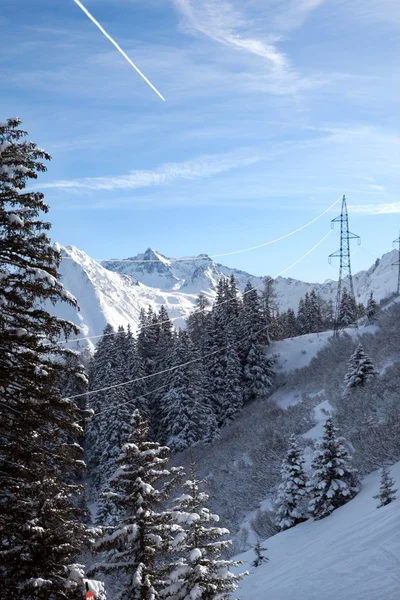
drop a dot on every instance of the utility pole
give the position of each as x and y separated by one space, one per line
345 283
398 263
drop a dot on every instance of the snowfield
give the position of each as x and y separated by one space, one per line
354 554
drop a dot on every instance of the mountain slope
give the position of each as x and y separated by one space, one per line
107 297
116 294
354 553
201 274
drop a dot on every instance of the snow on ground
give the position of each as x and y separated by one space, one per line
298 352
321 412
354 554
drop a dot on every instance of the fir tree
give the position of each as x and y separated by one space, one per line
231 400
372 308
315 314
187 413
200 573
135 547
360 369
260 558
347 310
41 526
290 324
387 491
302 318
293 489
197 323
258 372
334 481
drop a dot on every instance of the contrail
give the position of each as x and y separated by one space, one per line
118 48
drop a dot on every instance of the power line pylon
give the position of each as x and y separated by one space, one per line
345 283
398 263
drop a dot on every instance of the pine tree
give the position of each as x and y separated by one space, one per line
347 310
293 489
315 314
302 318
200 573
187 416
135 547
360 369
372 308
290 324
231 400
258 372
334 481
269 304
41 527
260 558
387 491
197 323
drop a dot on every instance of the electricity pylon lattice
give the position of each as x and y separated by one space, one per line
346 306
398 264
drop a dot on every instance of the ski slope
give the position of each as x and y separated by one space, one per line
354 554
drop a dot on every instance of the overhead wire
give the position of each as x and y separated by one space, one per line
175 367
93 337
205 256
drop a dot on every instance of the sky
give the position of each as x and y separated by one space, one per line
273 109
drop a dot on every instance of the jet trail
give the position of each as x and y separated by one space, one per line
118 47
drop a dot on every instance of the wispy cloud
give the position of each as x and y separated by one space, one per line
218 20
376 209
199 168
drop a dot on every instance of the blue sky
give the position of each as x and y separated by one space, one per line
273 110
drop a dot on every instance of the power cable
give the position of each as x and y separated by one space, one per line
174 368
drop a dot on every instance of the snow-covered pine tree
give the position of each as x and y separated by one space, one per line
258 372
260 557
290 503
347 310
372 308
135 547
302 318
360 369
73 378
231 399
197 323
187 415
41 526
387 491
290 328
315 314
334 481
201 573
269 304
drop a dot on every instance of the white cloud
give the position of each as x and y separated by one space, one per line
376 209
218 20
199 168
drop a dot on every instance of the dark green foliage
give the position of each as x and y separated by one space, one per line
41 531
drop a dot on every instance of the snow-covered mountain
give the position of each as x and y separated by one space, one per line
188 275
107 297
114 292
201 274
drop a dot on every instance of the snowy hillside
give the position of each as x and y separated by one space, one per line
107 297
116 294
354 553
